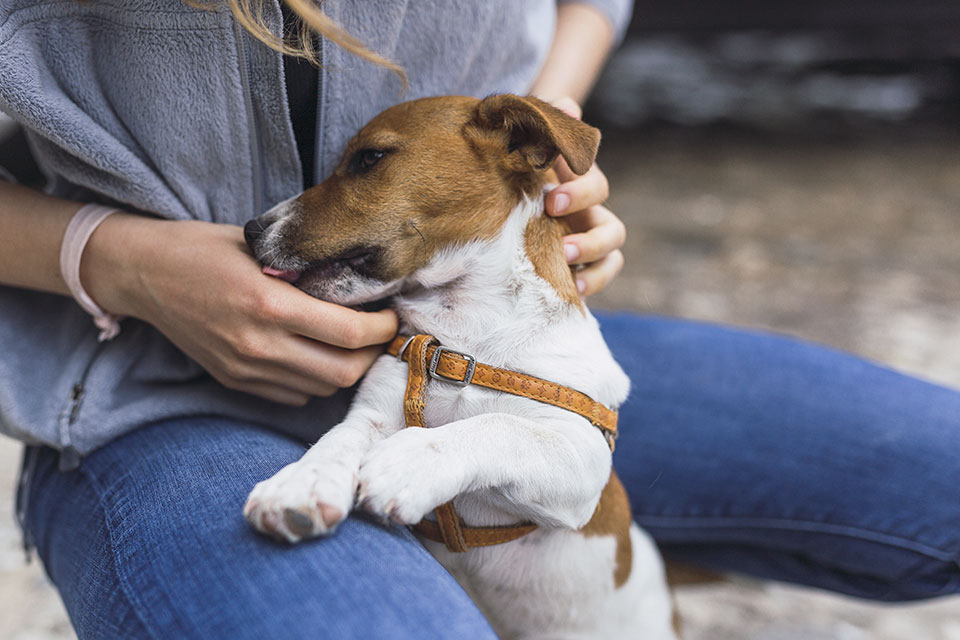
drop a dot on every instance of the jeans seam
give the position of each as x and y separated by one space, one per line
813 526
139 609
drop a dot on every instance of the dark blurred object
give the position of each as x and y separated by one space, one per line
15 154
797 66
696 15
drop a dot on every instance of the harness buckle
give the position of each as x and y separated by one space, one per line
468 376
404 347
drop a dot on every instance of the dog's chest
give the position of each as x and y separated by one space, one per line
446 403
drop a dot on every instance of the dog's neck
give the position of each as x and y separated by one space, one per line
489 295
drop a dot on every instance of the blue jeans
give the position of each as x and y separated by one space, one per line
740 451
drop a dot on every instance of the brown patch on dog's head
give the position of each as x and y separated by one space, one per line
612 518
420 177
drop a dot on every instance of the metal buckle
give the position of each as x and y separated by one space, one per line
468 376
610 438
404 347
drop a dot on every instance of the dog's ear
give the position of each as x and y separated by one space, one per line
535 132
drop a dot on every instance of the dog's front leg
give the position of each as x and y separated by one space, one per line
311 496
550 472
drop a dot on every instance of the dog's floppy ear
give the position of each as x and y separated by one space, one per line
536 132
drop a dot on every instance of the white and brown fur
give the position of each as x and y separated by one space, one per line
439 203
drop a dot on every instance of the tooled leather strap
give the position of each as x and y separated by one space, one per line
448 522
447 529
413 399
459 368
421 352
475 536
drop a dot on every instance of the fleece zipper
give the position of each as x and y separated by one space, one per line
318 133
256 150
69 455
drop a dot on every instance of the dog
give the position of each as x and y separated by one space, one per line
438 203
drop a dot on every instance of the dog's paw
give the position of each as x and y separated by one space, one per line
406 476
303 500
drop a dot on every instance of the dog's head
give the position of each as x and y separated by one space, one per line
420 177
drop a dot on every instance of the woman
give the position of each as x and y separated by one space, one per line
186 121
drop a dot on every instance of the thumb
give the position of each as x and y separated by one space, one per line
569 106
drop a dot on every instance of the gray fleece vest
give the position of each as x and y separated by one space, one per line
166 110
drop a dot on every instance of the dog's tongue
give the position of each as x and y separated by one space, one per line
289 276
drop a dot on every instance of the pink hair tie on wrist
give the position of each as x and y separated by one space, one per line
82 225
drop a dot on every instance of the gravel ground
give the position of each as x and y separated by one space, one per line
852 241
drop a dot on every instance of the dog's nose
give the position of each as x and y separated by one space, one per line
252 232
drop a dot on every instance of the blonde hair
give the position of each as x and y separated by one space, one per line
301 43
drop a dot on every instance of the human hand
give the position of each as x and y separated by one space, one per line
598 232
198 284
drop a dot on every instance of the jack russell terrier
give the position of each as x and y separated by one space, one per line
438 202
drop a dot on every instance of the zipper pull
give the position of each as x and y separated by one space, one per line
76 398
69 456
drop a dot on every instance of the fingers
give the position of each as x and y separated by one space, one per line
338 367
576 193
276 379
330 323
294 381
598 275
297 346
600 233
295 363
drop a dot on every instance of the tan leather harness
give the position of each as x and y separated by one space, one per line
430 360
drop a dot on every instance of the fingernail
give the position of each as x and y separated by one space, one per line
560 204
581 285
571 252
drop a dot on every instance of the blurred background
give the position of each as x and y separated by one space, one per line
789 168
794 168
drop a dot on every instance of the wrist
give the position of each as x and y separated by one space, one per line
111 264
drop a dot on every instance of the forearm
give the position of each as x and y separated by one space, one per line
30 253
582 41
33 225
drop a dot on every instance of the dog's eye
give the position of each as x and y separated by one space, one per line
365 159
